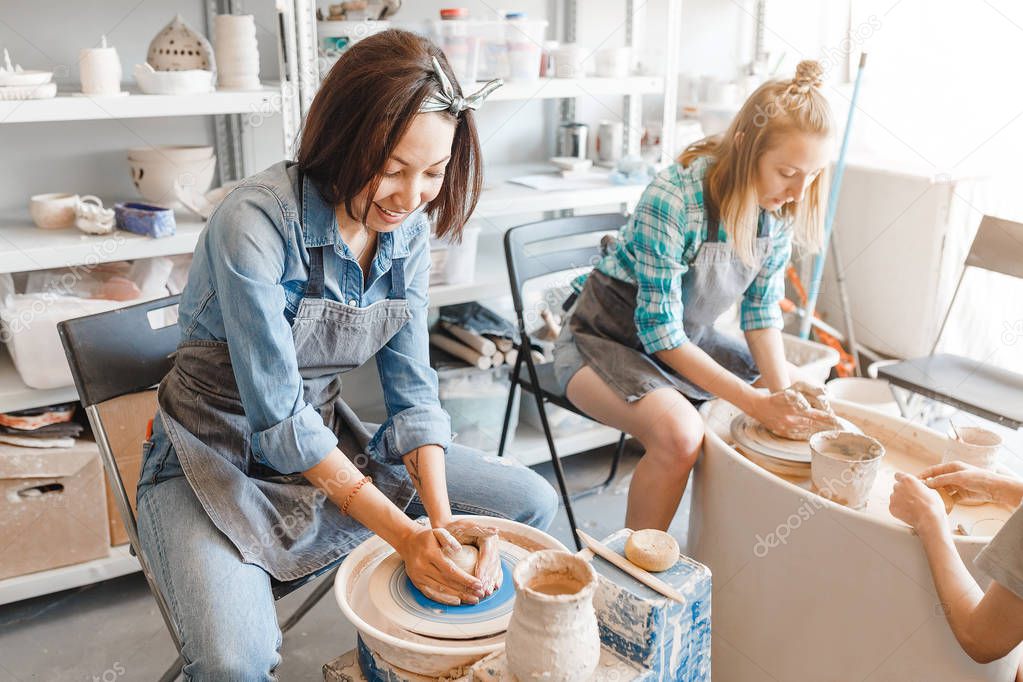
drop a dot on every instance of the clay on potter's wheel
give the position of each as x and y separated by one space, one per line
466 558
652 550
754 436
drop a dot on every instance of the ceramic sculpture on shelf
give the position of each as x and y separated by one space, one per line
100 69
178 47
237 52
17 83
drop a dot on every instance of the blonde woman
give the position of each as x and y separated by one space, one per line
639 347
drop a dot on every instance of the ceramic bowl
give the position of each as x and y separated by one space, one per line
53 211
155 179
144 219
190 82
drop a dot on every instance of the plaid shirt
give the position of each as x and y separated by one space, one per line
658 244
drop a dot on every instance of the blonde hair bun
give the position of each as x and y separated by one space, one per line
808 76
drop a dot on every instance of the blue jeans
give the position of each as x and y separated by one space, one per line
224 609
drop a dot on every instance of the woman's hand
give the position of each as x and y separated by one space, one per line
917 505
430 569
974 483
485 539
790 414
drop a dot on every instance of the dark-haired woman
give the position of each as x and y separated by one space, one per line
258 476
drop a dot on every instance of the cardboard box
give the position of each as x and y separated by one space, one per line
52 508
125 419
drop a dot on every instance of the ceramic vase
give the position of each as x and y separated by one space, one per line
234 37
553 633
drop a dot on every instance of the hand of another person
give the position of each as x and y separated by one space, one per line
917 505
971 482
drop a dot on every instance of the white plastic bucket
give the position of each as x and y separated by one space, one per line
873 393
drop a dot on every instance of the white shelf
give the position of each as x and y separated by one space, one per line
550 88
500 197
119 562
67 107
530 445
24 247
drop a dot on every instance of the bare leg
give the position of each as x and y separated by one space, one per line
671 431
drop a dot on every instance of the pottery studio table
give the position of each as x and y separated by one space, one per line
804 584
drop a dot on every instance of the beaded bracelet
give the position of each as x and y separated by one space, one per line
354 492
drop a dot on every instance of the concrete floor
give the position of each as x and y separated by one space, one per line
113 631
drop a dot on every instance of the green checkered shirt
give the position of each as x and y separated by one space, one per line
660 241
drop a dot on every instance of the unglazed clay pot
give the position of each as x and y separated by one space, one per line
553 633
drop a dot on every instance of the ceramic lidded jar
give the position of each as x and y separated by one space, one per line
179 47
553 633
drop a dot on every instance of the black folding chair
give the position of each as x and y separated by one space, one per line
117 358
987 391
559 254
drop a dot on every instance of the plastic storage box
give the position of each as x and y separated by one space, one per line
485 50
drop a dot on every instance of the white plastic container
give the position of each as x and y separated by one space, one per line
461 46
524 38
476 400
873 393
28 325
454 262
614 62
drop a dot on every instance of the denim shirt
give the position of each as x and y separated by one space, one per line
244 287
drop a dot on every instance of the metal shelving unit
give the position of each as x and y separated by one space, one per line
25 248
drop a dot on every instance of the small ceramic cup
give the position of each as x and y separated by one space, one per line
100 71
978 447
53 211
844 466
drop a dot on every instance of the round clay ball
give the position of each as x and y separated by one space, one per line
652 550
465 558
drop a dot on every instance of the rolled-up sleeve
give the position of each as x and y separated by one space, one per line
414 415
658 244
246 251
759 308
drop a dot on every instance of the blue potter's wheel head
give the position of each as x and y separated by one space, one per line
402 603
487 606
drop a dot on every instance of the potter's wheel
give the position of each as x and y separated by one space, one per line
403 604
774 453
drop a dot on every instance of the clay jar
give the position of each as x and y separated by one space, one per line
553 630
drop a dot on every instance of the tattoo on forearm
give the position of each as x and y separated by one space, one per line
413 468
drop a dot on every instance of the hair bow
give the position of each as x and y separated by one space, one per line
446 100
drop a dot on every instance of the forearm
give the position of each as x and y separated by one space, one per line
958 592
337 477
690 361
426 467
1010 491
769 353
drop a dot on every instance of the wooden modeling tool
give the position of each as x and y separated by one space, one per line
632 569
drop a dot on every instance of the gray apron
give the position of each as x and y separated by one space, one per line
279 522
602 321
